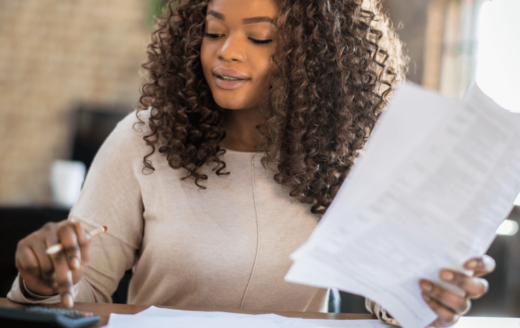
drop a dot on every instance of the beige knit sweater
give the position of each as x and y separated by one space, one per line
227 246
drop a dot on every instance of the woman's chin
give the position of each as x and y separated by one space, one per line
231 105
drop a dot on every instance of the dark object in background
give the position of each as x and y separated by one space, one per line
93 124
351 303
495 302
120 296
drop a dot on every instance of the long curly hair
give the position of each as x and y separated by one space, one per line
337 62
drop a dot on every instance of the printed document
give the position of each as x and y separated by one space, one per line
436 179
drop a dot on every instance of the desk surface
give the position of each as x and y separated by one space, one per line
103 310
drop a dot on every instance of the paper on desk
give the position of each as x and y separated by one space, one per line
160 317
162 312
487 322
437 178
129 321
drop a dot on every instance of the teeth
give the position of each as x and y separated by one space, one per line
229 78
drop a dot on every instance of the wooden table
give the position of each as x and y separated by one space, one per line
104 309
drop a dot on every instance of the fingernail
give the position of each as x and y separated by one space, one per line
69 301
426 286
75 263
472 264
447 276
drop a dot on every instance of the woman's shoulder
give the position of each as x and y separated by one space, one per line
136 122
129 132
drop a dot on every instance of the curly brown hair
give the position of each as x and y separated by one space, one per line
337 64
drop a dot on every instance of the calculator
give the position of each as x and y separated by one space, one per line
35 316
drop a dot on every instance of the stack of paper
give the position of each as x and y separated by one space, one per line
159 317
437 178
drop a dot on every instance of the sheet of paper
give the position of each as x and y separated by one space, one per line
162 312
129 321
437 178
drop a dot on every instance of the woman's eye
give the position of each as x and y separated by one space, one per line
260 41
212 35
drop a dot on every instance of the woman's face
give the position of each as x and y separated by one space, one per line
237 51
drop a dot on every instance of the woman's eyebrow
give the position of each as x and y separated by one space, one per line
258 19
250 20
216 14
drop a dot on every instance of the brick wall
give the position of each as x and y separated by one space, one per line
53 55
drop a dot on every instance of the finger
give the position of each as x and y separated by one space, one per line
60 264
83 242
481 266
26 261
68 238
64 278
446 298
445 317
45 263
473 286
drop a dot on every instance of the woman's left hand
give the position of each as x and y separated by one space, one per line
450 306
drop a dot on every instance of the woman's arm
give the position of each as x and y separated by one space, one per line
111 196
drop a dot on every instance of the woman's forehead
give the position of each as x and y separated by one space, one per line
232 9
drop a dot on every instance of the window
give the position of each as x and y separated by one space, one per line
498 62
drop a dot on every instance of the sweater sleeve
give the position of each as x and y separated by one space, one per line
378 310
373 308
111 197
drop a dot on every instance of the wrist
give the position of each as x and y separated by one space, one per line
27 292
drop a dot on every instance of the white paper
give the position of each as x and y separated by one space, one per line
485 322
437 178
160 317
162 312
129 321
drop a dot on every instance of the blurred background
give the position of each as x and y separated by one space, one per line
69 71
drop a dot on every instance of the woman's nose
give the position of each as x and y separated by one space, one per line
232 50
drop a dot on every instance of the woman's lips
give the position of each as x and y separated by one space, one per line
229 85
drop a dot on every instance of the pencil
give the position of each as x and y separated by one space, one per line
58 247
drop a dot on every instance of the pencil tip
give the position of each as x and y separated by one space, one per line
105 227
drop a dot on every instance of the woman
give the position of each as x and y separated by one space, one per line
256 112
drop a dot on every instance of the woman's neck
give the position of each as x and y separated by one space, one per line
241 133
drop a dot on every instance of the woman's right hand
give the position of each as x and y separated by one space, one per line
54 274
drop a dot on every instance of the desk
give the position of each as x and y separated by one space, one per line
103 310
